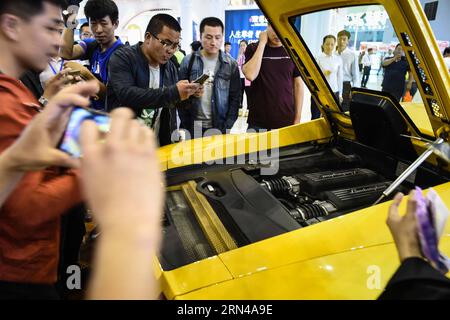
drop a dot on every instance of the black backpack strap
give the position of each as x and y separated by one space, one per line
155 115
191 63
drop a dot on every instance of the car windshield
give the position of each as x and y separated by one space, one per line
358 47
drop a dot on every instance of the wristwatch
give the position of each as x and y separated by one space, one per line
43 101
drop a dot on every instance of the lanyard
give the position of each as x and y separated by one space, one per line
60 68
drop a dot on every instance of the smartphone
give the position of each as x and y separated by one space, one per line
202 79
71 138
74 73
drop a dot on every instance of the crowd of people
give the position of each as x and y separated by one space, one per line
342 69
165 94
119 178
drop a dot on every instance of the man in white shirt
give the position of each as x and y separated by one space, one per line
349 66
367 65
55 66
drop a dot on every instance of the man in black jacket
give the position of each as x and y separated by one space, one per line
143 78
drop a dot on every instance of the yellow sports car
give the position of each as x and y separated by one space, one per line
291 213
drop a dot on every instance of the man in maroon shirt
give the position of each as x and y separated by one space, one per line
30 218
276 94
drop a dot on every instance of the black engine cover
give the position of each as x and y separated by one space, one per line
248 211
355 197
314 183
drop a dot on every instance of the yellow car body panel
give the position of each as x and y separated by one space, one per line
222 146
329 260
191 277
359 274
418 114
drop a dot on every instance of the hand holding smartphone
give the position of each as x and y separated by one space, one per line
76 76
70 142
202 79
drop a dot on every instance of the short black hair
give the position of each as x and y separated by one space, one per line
212 22
227 43
329 36
243 40
447 51
98 9
344 33
27 8
86 24
157 23
196 45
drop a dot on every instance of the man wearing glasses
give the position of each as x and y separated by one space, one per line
143 78
85 32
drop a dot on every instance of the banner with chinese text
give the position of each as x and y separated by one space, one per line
243 25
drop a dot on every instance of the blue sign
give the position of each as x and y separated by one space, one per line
243 25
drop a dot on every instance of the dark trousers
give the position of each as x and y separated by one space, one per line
346 88
242 89
365 76
413 90
164 136
396 92
72 232
27 291
255 128
315 112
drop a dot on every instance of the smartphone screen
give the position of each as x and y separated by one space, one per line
71 138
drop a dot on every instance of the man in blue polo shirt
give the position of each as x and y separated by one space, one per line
103 17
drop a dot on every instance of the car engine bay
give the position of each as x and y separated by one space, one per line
314 183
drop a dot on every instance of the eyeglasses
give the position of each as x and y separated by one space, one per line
167 43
